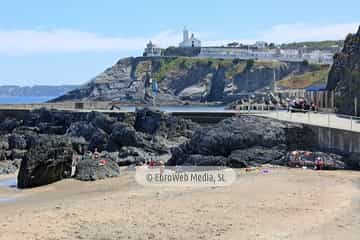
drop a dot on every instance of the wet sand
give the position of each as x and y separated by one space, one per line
284 204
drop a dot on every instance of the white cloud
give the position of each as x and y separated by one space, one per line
307 32
27 42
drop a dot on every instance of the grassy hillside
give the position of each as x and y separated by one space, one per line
305 80
316 45
232 66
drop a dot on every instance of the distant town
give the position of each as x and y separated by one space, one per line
313 52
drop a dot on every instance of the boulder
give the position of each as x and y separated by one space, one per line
81 129
353 161
8 125
46 162
17 154
126 136
132 155
101 121
245 140
155 122
90 169
255 156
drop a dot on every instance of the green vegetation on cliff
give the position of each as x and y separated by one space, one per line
232 66
317 45
305 80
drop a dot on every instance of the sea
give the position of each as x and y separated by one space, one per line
25 100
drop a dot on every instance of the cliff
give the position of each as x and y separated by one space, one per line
184 79
344 77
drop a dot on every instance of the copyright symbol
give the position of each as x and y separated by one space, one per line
149 177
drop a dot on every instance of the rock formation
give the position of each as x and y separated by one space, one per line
89 169
344 77
184 79
48 161
45 142
247 141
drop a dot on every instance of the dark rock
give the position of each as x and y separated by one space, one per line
102 121
79 144
17 141
244 140
149 121
155 122
126 136
8 125
89 169
132 155
202 160
47 162
17 154
23 130
254 156
344 76
81 129
353 161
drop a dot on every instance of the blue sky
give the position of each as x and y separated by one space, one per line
69 42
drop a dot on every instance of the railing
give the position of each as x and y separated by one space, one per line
323 119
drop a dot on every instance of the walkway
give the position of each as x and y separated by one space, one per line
330 120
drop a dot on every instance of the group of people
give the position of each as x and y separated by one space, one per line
302 105
306 159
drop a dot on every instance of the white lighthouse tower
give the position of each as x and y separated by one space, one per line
189 41
185 35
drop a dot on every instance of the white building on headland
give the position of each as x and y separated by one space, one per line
189 41
261 44
152 50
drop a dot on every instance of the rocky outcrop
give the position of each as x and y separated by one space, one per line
44 142
344 77
243 141
89 169
183 79
353 161
48 161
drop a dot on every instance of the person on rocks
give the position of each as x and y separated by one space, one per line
96 153
319 163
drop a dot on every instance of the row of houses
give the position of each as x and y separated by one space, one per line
289 55
258 52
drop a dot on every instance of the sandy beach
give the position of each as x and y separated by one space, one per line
283 204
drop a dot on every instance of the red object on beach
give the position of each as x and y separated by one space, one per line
103 162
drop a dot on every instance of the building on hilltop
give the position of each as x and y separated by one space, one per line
261 44
152 50
189 42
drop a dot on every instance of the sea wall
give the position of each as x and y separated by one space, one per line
336 140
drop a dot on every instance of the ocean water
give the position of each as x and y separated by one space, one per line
24 100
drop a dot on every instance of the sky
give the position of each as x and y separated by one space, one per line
70 42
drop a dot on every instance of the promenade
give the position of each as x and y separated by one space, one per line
330 120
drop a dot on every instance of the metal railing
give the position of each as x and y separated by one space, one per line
323 119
